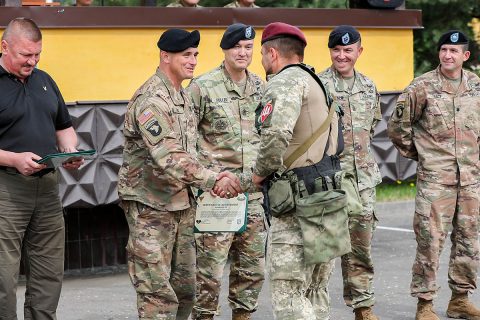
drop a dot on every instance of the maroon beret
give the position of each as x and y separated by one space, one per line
277 30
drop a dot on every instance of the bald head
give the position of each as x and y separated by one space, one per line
22 28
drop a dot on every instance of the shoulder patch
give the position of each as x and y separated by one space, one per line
266 111
146 115
399 108
154 129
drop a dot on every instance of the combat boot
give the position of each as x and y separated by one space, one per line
425 310
240 314
460 307
202 317
365 313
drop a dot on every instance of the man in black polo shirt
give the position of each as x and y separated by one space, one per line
34 122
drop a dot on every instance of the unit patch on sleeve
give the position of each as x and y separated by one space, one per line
266 111
152 126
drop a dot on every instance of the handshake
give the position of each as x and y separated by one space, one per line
227 185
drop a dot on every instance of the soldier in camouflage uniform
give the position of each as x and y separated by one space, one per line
225 100
293 107
158 165
359 100
185 3
242 4
437 123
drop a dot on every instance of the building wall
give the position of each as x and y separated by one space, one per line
110 64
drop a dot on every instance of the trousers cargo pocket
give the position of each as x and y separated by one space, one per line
323 219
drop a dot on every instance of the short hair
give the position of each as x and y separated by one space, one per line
287 47
23 27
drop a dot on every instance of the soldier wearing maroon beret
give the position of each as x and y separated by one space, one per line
293 107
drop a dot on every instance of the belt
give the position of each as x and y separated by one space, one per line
38 174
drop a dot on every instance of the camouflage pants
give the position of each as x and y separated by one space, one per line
357 266
298 292
161 260
247 255
437 208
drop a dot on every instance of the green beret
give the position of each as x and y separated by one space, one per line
235 33
177 40
452 37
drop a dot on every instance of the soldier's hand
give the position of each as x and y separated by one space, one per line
257 181
227 185
25 163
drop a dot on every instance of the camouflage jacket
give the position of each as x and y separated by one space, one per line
235 4
292 109
361 108
226 122
440 128
179 4
159 157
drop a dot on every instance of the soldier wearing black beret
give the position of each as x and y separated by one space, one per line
235 33
159 167
453 37
356 95
225 100
343 35
176 40
436 122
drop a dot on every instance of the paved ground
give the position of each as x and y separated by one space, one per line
112 297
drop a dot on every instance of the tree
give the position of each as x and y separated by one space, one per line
438 17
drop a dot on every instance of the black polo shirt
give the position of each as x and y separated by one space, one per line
31 113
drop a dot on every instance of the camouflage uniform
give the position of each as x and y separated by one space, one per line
235 4
361 108
179 4
228 141
440 128
294 106
158 164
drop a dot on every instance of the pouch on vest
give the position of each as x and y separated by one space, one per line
350 186
280 194
323 219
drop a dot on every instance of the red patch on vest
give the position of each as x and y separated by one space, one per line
267 109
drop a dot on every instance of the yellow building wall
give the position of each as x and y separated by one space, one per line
110 64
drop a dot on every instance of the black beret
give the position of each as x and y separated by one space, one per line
235 33
343 35
176 40
277 30
452 37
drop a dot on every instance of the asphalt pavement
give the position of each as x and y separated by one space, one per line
111 297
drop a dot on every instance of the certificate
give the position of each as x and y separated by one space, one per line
56 160
215 214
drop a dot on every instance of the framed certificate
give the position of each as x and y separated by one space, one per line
215 214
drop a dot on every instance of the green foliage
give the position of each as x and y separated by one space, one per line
398 191
438 17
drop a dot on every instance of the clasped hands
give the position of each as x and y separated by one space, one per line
227 185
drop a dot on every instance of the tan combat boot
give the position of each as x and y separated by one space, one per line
425 310
202 317
461 308
240 315
365 313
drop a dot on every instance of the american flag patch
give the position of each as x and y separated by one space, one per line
145 116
